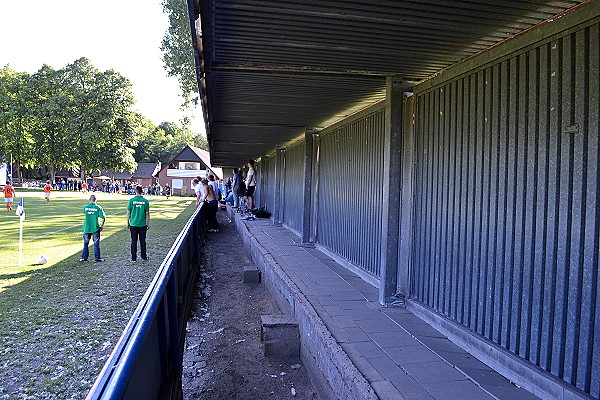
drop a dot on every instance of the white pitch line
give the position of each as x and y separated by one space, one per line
52 233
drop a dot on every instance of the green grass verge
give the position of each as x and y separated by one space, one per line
59 321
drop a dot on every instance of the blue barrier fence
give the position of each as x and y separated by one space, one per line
146 361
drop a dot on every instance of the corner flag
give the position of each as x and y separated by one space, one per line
20 210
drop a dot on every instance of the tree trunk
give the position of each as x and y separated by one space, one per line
17 166
52 173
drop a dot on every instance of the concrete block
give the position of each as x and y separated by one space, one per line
280 335
251 275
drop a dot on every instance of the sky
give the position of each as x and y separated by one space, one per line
124 35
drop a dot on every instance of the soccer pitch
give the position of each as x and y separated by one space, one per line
59 321
53 229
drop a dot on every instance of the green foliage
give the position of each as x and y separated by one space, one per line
165 141
75 116
178 53
16 122
51 111
79 116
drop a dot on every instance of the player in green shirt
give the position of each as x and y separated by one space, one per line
92 228
138 222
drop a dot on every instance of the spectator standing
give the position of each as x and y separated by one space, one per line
215 185
9 194
212 205
250 185
238 188
222 189
92 228
198 190
167 190
138 222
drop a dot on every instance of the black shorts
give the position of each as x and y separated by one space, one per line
250 191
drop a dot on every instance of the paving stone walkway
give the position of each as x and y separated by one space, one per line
400 355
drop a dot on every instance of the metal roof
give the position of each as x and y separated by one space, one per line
270 69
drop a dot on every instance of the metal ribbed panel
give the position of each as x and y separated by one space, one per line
506 209
272 68
293 203
413 39
349 198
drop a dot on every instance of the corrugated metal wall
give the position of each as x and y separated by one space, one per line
293 200
506 208
349 198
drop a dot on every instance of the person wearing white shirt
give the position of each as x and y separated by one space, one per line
250 185
198 190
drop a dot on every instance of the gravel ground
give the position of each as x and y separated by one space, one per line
224 355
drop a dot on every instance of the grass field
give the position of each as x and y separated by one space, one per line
59 321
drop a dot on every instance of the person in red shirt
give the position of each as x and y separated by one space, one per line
9 193
47 190
84 188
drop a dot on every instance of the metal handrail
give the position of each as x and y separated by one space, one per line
161 312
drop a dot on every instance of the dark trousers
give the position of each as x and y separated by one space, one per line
138 232
211 214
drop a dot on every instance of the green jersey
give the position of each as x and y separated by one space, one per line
92 213
138 206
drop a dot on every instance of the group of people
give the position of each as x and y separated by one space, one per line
138 223
66 184
207 191
241 188
9 194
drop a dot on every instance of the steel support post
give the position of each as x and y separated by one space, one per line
388 278
315 190
263 180
279 185
308 185
406 220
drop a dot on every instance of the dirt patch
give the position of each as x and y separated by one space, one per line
224 355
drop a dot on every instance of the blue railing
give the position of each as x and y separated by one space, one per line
146 361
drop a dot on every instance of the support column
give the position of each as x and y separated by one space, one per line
406 220
315 190
279 185
308 185
263 182
388 274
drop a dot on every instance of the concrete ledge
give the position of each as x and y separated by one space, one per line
522 372
336 377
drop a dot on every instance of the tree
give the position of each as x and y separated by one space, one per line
16 118
102 124
165 141
178 52
53 146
